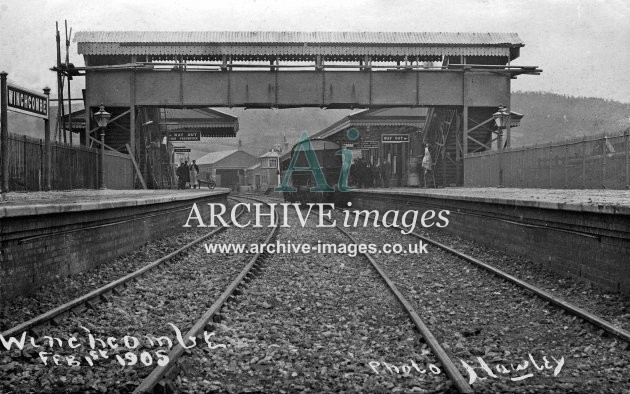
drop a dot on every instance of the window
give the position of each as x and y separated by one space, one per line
273 163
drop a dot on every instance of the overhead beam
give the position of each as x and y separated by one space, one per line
285 89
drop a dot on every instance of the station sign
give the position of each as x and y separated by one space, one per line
185 136
368 144
394 138
361 145
27 102
181 150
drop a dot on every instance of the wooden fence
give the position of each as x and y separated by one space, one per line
596 162
73 167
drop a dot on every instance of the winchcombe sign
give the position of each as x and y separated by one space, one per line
26 102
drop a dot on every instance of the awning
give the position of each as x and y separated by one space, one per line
208 122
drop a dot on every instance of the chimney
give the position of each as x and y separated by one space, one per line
240 144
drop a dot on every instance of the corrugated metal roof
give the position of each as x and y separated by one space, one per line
414 117
206 114
293 37
213 157
208 122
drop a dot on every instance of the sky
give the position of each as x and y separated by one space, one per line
583 46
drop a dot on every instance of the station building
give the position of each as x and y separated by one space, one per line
390 141
162 134
264 174
227 168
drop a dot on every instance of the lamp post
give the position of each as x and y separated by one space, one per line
501 119
278 149
47 155
102 117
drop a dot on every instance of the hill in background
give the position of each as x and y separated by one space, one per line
553 117
548 117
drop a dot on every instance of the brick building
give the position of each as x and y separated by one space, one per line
227 168
390 140
264 174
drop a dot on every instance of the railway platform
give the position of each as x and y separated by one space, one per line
45 236
581 233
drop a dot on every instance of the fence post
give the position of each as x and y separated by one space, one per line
604 141
41 165
566 166
25 164
584 162
537 161
549 166
627 136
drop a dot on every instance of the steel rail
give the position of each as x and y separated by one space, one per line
101 291
569 307
155 377
451 370
557 301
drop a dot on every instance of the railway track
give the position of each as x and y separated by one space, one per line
596 321
161 378
102 293
453 373
437 276
585 315
569 307
314 289
138 292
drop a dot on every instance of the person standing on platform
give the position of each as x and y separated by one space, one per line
426 164
181 182
186 175
194 171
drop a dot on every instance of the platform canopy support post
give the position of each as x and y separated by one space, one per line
88 114
132 113
464 122
508 134
4 134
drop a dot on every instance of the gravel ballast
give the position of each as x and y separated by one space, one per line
479 317
178 292
314 323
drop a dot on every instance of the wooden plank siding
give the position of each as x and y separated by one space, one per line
73 166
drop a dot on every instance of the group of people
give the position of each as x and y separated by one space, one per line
364 174
187 175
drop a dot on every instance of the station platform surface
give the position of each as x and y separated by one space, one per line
583 200
39 203
45 236
581 233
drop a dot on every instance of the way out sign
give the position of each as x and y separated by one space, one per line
185 136
394 138
27 102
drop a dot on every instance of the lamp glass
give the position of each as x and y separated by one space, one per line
498 119
102 117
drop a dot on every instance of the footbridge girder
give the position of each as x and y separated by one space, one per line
285 89
149 70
